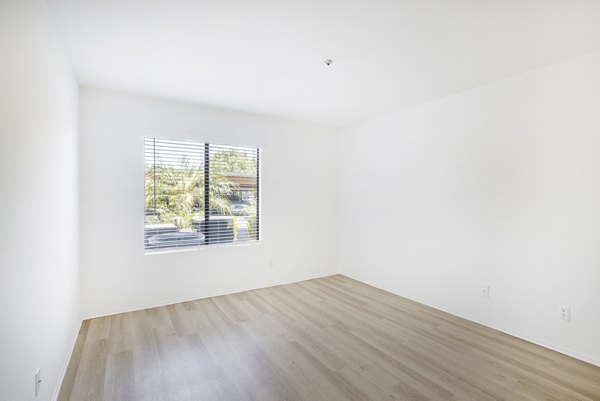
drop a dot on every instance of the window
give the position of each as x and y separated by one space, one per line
199 194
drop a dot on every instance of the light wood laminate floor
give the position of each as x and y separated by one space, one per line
331 338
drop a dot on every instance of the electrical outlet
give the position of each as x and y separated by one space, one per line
38 381
564 312
485 291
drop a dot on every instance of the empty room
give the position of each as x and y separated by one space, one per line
274 200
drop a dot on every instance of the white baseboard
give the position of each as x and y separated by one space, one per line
156 304
506 330
63 371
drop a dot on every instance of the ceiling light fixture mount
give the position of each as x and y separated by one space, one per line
328 62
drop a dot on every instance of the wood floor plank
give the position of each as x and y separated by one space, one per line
150 383
329 339
69 380
89 382
119 383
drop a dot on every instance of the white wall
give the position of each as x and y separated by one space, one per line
299 197
39 206
496 186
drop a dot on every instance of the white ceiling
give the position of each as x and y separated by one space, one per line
267 56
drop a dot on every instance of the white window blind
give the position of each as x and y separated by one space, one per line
199 194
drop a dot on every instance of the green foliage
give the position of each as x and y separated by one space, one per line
233 161
236 227
176 192
252 220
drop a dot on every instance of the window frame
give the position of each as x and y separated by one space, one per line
216 142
